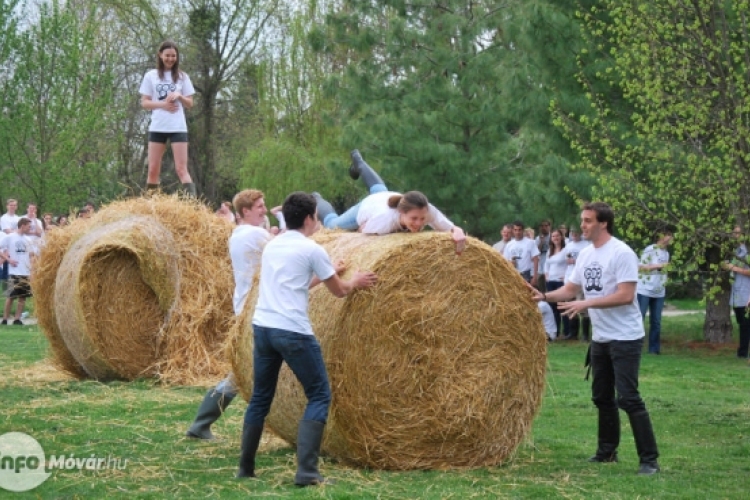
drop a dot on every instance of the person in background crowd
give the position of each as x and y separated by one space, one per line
225 212
505 234
17 249
740 266
47 221
62 220
651 286
571 326
9 220
83 214
37 228
542 242
89 205
167 91
607 273
564 231
523 253
554 269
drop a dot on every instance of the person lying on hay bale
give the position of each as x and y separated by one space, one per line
245 248
385 212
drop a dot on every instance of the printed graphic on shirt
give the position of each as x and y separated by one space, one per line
593 276
21 246
164 89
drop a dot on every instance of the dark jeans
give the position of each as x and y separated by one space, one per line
654 305
614 366
551 287
302 354
741 315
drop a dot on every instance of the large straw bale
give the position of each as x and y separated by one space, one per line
143 288
440 365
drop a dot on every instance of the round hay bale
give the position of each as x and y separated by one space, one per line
148 291
441 365
114 291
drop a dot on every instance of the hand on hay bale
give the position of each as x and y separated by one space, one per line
440 365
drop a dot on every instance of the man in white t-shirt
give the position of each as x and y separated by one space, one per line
523 253
37 229
607 272
291 265
505 234
245 248
9 220
17 249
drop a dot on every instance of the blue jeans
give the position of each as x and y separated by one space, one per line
348 220
302 354
654 305
615 366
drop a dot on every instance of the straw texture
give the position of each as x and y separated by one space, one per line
441 365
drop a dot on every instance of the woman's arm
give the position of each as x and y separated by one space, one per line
149 104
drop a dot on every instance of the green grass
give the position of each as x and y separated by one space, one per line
698 399
687 304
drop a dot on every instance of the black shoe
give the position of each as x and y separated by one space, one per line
604 459
18 322
4 322
354 167
648 469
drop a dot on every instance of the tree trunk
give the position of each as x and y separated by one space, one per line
717 328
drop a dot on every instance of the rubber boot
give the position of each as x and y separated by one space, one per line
608 438
309 437
324 208
359 169
213 405
189 189
251 435
586 328
645 442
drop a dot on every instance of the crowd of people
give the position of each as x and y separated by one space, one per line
20 239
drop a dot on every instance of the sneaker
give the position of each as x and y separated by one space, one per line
4 322
17 322
648 469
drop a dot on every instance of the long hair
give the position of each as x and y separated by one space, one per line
408 201
552 248
168 44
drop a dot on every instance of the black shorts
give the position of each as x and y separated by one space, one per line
19 287
162 137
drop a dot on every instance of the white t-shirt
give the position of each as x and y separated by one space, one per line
598 271
19 248
9 222
548 319
521 252
500 246
652 283
161 119
288 265
245 249
35 223
572 250
555 266
376 217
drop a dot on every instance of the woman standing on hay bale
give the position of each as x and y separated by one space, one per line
292 264
166 91
385 212
245 248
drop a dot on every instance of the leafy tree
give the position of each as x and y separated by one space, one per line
57 103
443 99
680 158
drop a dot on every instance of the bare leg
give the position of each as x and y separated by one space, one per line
20 306
8 304
180 153
155 153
